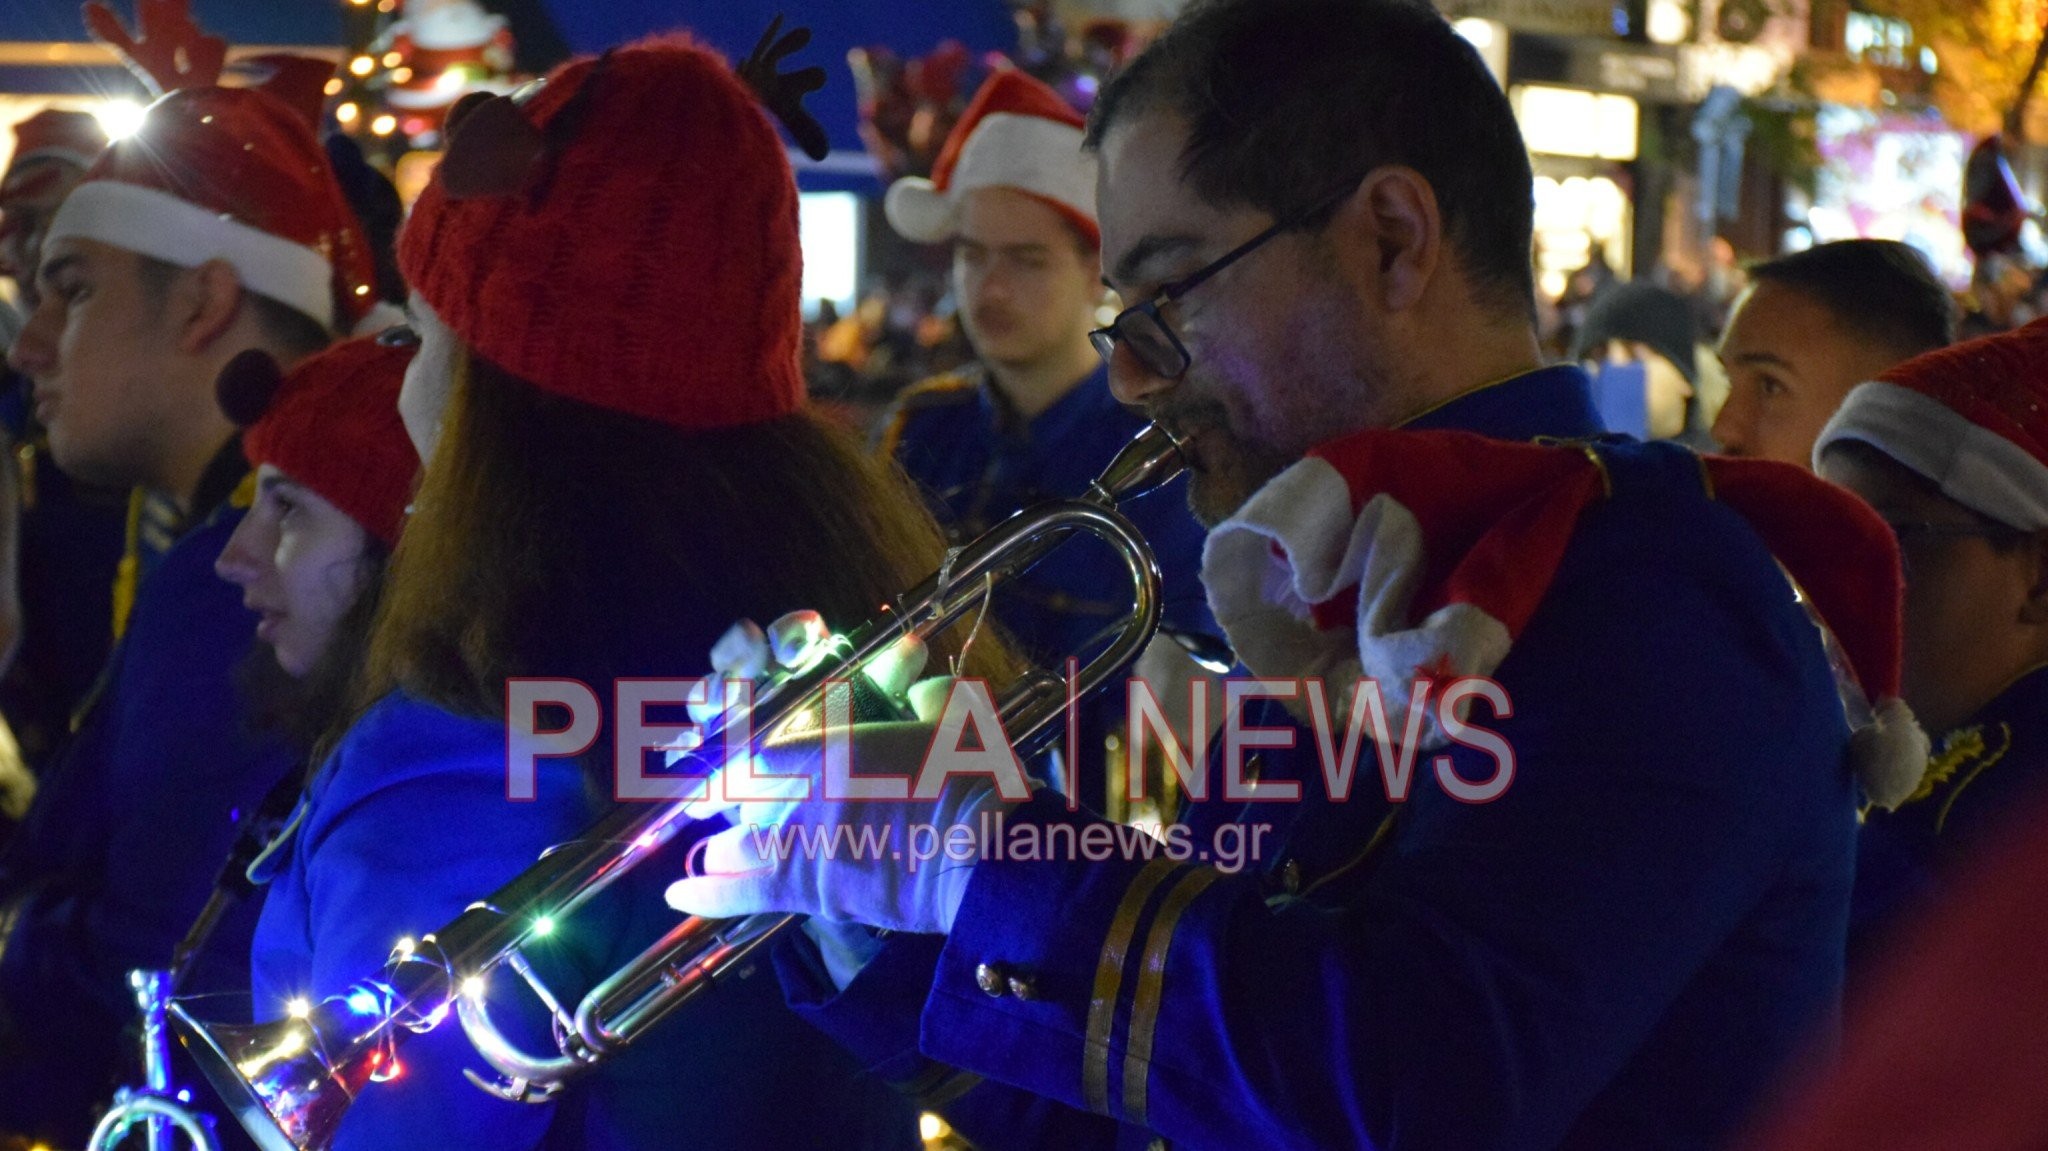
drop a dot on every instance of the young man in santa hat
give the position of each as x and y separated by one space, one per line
1610 905
1951 448
215 229
1014 194
69 538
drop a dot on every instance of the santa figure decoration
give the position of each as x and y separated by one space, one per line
445 49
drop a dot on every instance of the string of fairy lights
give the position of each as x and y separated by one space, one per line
407 62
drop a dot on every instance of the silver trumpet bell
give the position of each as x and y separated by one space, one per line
291 1082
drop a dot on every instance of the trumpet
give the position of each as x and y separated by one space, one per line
289 1083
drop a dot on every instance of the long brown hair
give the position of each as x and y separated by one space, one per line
554 538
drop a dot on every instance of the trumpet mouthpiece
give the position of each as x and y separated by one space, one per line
1150 460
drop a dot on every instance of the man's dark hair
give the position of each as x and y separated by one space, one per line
295 333
1881 290
1288 100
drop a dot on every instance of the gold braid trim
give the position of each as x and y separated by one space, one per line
1145 1002
1109 976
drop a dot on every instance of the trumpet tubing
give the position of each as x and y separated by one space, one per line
290 1082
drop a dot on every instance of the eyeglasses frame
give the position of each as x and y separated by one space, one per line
1106 338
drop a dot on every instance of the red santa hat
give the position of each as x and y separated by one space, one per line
1018 134
42 143
234 175
625 235
1402 556
73 138
299 81
331 424
1968 418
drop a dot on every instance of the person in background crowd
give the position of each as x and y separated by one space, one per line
70 534
1951 448
1815 324
1033 419
1636 323
216 228
617 463
1624 943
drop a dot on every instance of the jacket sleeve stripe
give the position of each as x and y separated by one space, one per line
1151 985
1109 974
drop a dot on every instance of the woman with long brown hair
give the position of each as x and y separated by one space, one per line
619 463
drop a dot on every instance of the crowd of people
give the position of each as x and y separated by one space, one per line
1688 798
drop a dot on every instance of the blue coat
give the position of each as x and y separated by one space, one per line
70 548
131 825
406 825
1622 951
1981 774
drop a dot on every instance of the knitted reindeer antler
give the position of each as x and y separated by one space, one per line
168 51
783 92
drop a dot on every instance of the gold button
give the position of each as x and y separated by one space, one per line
1023 987
1290 876
992 979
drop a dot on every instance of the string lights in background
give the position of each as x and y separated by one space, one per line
407 63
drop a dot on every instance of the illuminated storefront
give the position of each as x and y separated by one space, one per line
1576 140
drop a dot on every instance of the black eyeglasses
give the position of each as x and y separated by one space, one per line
399 336
1912 530
1913 534
1141 328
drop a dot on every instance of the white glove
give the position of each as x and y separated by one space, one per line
895 864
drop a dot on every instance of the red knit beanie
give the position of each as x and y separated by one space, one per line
331 424
625 236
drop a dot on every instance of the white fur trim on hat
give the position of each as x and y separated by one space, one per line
76 157
1006 150
161 226
919 211
382 314
1296 543
1889 754
1971 464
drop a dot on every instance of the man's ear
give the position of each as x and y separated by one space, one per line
2034 610
1392 224
207 301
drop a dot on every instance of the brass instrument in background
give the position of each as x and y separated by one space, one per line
156 1110
290 1082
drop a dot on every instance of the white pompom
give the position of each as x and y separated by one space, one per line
1890 754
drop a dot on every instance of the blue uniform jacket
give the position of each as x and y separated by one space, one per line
407 824
70 549
1981 775
1621 951
956 440
976 466
131 825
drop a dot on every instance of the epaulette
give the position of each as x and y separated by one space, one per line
940 391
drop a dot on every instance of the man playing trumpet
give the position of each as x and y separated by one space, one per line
1320 212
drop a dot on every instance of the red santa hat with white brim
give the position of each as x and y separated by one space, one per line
1968 418
1404 556
233 175
1017 133
67 137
